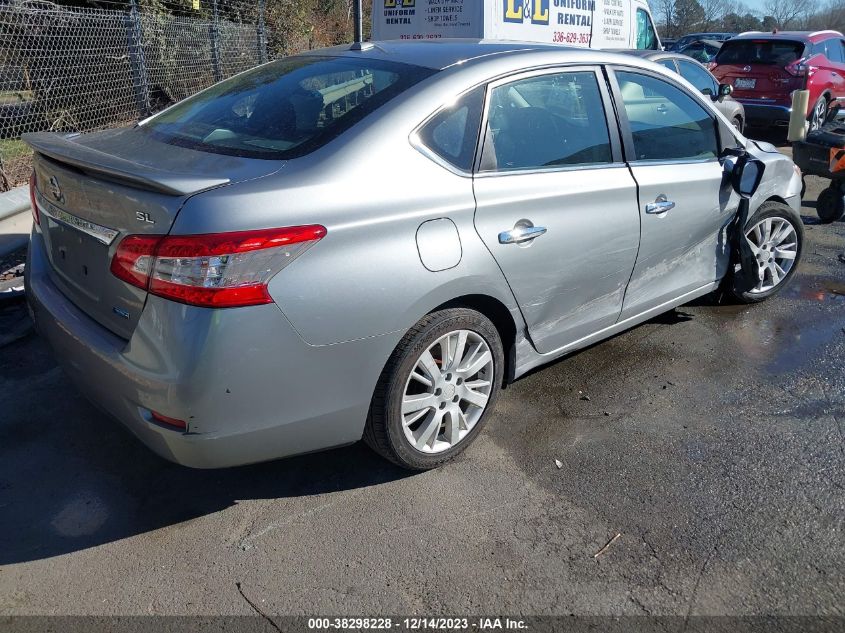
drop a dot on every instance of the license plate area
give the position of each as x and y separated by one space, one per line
745 83
77 258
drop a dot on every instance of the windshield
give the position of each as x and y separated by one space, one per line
284 109
777 52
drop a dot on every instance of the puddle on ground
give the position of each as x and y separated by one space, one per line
814 288
779 343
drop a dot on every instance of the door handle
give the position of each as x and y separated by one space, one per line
662 108
660 205
521 234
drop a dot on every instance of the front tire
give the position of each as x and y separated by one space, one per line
436 390
776 238
818 117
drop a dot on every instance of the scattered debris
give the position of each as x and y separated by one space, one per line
841 257
607 545
559 464
11 275
606 413
583 396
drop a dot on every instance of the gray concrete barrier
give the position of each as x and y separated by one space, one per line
15 221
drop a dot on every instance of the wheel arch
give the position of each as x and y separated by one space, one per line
780 200
772 199
498 313
812 104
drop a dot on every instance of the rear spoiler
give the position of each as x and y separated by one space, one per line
65 150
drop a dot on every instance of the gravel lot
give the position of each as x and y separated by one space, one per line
710 438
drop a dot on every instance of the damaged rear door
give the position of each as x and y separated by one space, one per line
556 205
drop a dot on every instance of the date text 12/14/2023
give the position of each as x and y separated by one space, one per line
417 623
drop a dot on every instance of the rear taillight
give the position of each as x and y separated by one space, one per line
133 260
216 270
797 68
33 183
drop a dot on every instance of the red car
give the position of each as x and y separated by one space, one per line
765 68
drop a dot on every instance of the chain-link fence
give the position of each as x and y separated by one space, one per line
79 69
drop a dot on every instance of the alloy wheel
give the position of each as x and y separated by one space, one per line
775 246
819 114
447 391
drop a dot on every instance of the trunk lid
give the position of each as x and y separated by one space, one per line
757 69
95 189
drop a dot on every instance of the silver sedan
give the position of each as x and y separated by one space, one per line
371 243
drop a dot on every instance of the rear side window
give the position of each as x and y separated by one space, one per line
666 123
547 121
286 108
774 52
698 77
668 63
452 133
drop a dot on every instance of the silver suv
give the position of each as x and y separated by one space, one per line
372 243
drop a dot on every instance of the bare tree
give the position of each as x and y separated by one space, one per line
714 12
664 12
786 12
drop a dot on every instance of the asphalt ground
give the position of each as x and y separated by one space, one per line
710 439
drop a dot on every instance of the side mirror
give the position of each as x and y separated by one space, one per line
725 90
747 174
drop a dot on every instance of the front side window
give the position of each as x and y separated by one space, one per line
666 123
284 109
698 77
547 121
833 51
646 38
452 133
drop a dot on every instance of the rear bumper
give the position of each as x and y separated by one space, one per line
247 384
765 112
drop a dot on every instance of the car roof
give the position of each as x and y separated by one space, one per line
656 55
805 36
439 54
704 34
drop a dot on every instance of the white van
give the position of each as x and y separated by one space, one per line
584 23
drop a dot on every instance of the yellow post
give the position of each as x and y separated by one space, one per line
798 118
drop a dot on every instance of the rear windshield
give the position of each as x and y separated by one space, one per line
776 52
284 109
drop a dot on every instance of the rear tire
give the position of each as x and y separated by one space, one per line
737 123
830 205
777 237
436 390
